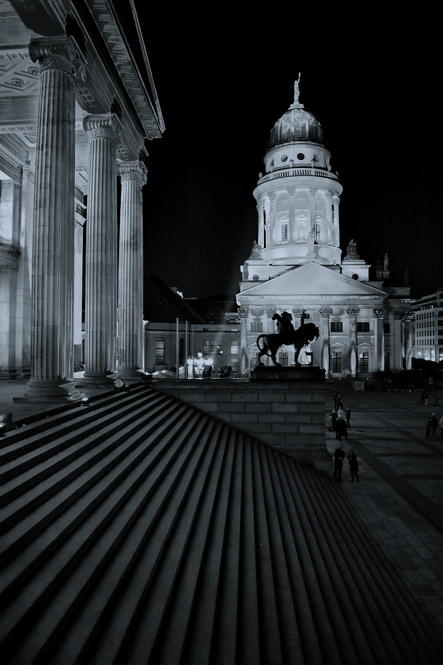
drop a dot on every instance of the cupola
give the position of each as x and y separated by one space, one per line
296 125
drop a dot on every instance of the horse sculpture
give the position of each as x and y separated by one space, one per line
268 345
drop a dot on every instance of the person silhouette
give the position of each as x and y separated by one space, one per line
339 456
353 464
286 329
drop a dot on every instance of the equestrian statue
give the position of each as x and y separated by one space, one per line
268 345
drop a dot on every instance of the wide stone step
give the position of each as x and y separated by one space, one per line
168 536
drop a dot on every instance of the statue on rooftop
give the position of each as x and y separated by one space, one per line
352 250
255 251
297 89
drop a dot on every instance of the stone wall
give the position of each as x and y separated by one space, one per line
287 415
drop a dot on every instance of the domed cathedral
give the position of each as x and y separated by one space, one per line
296 264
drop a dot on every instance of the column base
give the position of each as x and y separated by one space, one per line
50 392
100 381
131 373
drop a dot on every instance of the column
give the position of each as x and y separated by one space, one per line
407 318
312 193
244 351
51 371
78 287
336 218
261 223
325 314
130 288
353 314
272 237
101 253
379 340
298 314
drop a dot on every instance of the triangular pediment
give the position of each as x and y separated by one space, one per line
312 279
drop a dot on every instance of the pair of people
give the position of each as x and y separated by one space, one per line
339 457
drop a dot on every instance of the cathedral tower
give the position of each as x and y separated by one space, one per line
296 263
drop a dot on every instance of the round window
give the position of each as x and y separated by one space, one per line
300 155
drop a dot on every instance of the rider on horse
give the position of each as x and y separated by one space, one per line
285 327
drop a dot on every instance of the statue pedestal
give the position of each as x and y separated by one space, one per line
287 373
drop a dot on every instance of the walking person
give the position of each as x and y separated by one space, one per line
339 456
353 465
341 429
428 427
440 424
338 401
433 423
333 420
348 416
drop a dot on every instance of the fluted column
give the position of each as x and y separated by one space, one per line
130 288
336 217
101 252
407 322
325 314
244 350
353 314
379 340
53 226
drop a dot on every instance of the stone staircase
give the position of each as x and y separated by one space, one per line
140 530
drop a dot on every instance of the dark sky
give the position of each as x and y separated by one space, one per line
222 85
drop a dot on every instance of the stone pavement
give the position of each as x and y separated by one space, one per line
400 493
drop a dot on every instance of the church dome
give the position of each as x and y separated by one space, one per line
296 125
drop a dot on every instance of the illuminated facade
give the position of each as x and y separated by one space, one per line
78 106
428 324
296 263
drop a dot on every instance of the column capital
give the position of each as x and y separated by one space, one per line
101 125
325 312
270 313
379 313
353 312
244 312
53 53
135 170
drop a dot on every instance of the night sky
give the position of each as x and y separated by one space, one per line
222 86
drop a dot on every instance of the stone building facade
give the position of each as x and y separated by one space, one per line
296 264
78 108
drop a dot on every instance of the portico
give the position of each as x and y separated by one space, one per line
73 225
